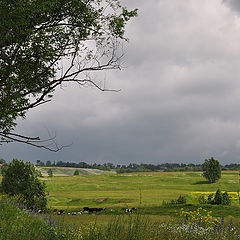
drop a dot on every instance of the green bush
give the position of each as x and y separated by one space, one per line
210 199
226 199
221 198
50 172
218 198
202 199
76 172
181 200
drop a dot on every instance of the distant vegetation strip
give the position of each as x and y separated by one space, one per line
133 167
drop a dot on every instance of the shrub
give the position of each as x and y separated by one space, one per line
210 199
181 200
221 198
226 199
218 198
202 199
50 172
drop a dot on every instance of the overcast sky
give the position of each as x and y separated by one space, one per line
180 97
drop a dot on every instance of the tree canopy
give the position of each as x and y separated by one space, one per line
2 161
47 43
211 170
20 179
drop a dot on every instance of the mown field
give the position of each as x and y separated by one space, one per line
132 190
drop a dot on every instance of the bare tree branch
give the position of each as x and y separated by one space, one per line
49 144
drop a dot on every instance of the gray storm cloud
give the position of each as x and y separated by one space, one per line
179 100
234 4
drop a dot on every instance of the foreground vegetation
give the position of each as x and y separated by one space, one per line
20 224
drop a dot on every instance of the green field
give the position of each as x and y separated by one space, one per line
128 190
145 191
61 171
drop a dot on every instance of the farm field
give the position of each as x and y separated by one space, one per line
132 190
61 171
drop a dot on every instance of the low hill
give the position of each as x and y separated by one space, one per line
66 171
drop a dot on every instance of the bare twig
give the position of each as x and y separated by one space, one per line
49 143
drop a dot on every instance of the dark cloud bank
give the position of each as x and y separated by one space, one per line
180 93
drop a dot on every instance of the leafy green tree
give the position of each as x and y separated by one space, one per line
211 170
3 169
45 44
48 164
21 180
2 161
40 163
76 172
50 172
2 166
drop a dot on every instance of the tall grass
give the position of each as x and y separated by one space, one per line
19 224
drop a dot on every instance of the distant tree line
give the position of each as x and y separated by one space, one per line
133 167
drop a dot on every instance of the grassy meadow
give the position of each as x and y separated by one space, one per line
132 190
145 191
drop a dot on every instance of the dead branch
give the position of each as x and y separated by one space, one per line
49 143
